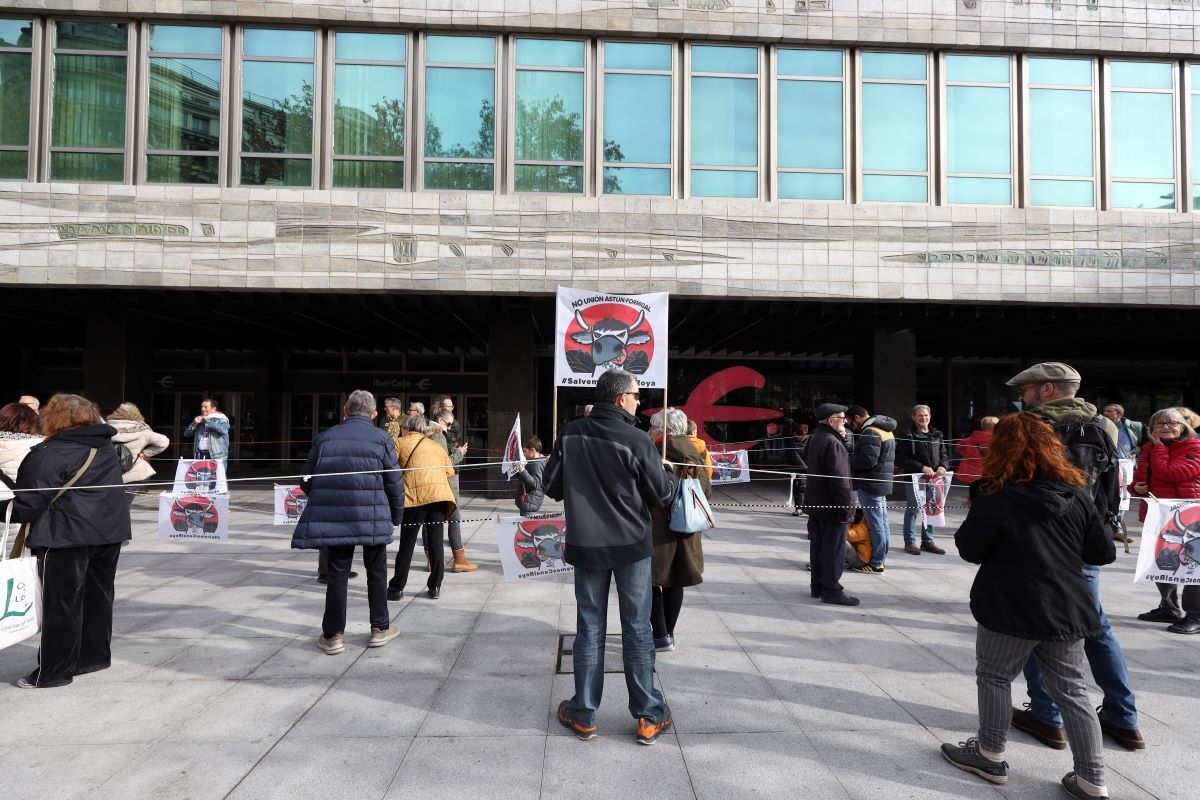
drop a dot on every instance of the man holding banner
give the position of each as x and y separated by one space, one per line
609 475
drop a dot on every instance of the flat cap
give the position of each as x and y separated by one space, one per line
827 410
1046 372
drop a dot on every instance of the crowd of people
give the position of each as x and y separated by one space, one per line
1045 490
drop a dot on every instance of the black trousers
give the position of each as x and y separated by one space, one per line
431 517
77 609
339 558
666 604
827 552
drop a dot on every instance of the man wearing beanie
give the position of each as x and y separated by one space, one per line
829 504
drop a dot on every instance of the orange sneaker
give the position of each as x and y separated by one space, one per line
582 731
648 731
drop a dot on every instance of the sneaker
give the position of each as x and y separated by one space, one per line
930 547
648 731
1129 738
966 757
1023 719
381 636
332 646
582 732
1159 615
839 600
912 549
1070 784
867 569
664 644
27 682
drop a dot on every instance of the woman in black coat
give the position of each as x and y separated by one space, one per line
76 534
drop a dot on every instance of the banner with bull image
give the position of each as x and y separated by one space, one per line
193 516
931 498
595 332
1170 549
1126 465
200 476
289 504
532 547
731 466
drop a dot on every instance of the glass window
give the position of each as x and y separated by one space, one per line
894 95
811 124
16 74
724 121
278 86
459 146
978 149
637 118
1194 127
368 110
1141 126
89 110
183 113
1061 139
549 116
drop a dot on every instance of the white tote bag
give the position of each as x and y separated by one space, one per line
20 591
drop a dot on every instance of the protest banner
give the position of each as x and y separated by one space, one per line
205 476
532 547
514 456
931 494
1170 548
289 504
595 332
193 516
730 466
1126 466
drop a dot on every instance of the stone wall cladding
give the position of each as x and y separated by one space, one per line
286 239
1135 26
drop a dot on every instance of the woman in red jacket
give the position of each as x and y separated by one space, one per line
974 450
1169 467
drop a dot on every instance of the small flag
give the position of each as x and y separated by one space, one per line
513 455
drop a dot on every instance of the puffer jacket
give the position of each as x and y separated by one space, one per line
428 480
873 462
531 494
920 450
141 439
81 516
13 449
350 509
1172 470
456 458
702 448
973 450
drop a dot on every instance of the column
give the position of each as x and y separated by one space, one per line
104 353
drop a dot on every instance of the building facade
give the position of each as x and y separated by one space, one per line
878 200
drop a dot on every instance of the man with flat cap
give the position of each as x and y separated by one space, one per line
829 504
1048 390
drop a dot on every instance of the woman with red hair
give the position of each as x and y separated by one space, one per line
1031 529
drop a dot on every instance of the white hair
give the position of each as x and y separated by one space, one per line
677 422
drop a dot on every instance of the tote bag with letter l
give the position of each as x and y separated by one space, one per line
20 592
690 512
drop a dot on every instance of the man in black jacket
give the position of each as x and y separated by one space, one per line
873 463
609 475
923 450
829 504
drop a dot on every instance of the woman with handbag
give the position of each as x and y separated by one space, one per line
75 531
678 560
428 502
142 442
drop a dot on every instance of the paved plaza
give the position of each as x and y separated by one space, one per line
218 690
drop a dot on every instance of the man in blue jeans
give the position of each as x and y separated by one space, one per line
608 473
1048 389
872 463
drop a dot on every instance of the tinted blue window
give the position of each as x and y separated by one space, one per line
279 43
977 69
628 55
549 125
184 39
625 180
811 186
1061 193
371 46
895 189
894 127
1060 132
1143 195
459 112
637 118
979 191
725 121
460 50
895 66
724 183
810 63
810 124
549 53
978 129
741 60
1060 71
1143 135
1139 75
16 33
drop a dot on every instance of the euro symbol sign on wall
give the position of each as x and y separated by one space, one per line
701 405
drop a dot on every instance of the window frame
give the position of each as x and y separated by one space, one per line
329 122
762 138
848 126
36 51
420 65
50 61
590 119
1188 159
932 181
673 164
1176 131
1015 196
236 121
225 101
1027 86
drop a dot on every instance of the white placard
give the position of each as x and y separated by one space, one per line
1170 548
931 498
596 331
193 516
200 476
514 456
532 547
289 504
730 466
1126 466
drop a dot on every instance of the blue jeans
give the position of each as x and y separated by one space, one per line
1108 668
637 642
911 512
208 456
874 507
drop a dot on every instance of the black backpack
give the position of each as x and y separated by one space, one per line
124 457
1088 447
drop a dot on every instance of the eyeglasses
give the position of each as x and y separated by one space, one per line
1168 424
636 395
